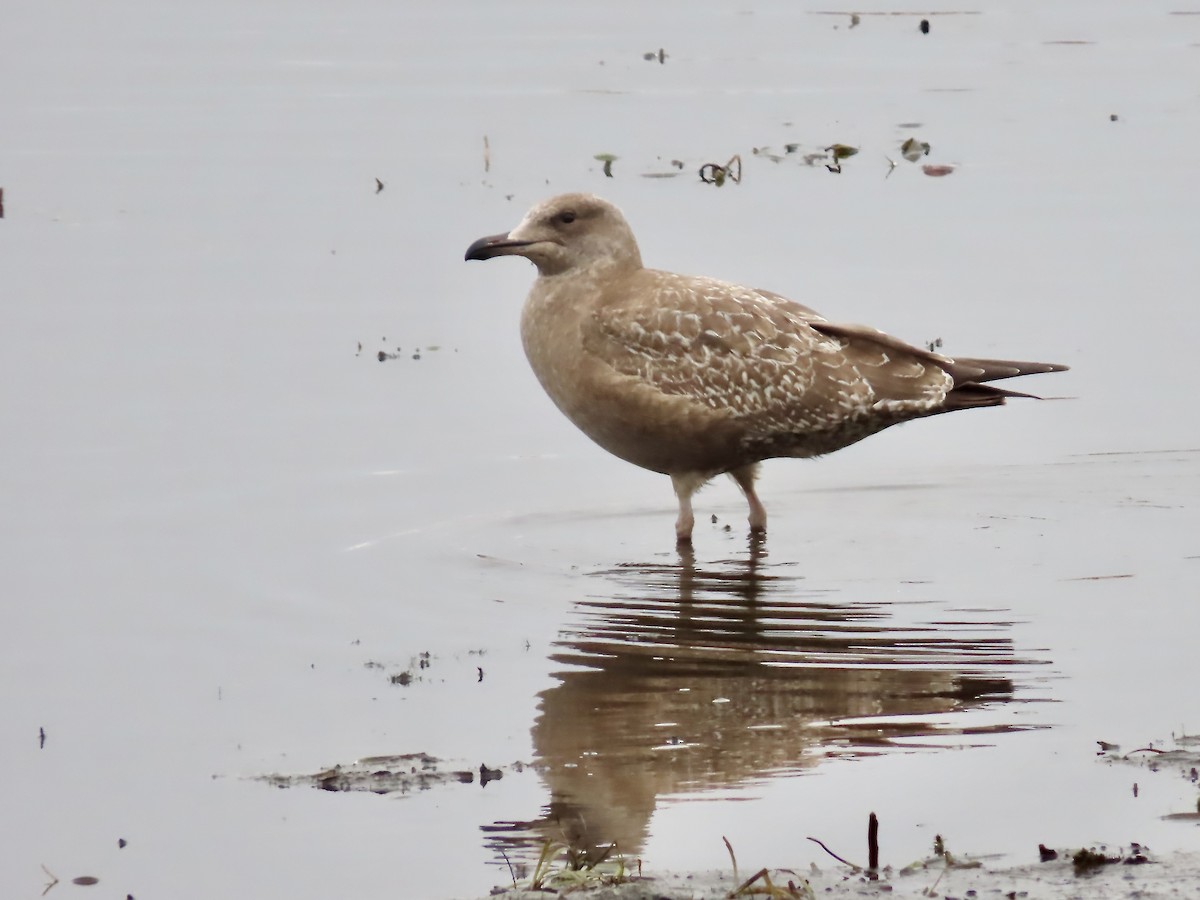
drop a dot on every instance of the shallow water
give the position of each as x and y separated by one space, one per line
238 546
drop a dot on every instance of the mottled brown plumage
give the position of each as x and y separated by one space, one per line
694 377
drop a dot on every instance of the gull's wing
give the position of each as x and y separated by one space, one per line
773 364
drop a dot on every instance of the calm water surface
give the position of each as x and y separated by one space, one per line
236 545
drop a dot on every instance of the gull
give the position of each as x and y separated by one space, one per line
694 377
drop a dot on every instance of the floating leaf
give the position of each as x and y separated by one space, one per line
714 173
766 153
608 159
840 152
912 149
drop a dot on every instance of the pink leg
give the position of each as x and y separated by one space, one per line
685 485
745 480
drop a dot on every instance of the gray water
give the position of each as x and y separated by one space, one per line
231 534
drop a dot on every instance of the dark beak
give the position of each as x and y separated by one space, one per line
494 245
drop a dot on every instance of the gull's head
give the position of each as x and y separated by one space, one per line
565 233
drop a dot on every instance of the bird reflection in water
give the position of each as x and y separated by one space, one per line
682 678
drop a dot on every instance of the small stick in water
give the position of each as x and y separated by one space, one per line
873 846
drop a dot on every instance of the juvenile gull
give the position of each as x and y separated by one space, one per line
695 377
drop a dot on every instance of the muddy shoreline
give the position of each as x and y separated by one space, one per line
1173 876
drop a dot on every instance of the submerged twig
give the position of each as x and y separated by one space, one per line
53 880
846 862
732 857
803 892
761 873
511 873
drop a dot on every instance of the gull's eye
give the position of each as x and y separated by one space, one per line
566 217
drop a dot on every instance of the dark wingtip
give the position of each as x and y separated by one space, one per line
964 369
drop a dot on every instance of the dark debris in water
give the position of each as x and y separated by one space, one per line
715 173
912 149
942 859
388 352
402 773
1087 859
414 673
1182 757
608 159
766 153
831 156
676 164
839 152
